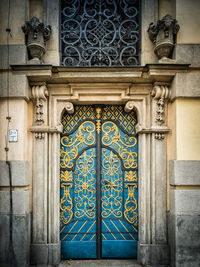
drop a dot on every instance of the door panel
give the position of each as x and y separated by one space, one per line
119 187
99 178
78 184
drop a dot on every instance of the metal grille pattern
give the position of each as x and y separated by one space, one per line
100 33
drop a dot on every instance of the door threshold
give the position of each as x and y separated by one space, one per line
100 263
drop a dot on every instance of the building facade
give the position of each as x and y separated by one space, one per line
145 87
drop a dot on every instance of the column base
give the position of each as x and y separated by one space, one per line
153 254
46 254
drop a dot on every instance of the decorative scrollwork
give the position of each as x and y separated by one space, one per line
100 33
130 176
85 185
122 143
71 145
112 185
130 207
66 204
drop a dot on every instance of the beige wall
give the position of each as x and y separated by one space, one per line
188 16
164 7
184 122
18 15
188 129
18 113
36 9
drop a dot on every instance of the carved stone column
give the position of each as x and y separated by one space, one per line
40 172
153 249
160 96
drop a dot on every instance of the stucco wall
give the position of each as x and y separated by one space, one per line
187 14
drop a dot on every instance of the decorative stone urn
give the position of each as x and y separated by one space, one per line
163 35
36 36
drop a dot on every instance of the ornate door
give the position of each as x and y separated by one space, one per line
98 162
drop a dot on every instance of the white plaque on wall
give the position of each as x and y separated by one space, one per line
13 136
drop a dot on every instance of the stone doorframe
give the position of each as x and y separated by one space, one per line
144 89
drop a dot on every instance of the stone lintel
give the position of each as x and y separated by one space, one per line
149 73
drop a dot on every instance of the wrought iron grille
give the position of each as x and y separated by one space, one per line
100 33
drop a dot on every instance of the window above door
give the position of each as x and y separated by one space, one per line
100 33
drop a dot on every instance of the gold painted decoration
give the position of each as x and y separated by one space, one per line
122 143
81 113
130 207
66 176
85 185
66 204
116 113
71 145
98 111
111 185
130 176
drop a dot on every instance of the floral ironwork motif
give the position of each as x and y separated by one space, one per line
122 143
112 185
102 33
66 204
130 206
85 185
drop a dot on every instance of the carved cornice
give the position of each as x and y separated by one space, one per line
161 93
61 75
39 96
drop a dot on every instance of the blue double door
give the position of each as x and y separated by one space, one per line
99 183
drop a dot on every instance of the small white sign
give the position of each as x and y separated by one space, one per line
13 136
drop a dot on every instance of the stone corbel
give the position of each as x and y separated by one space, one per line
161 94
39 96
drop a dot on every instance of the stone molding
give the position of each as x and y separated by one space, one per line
46 129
